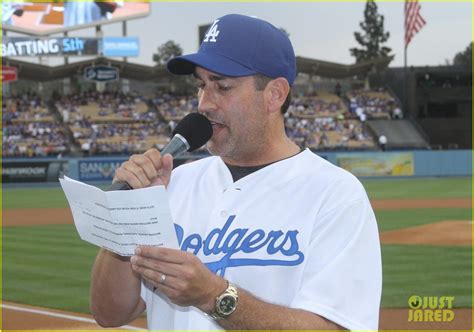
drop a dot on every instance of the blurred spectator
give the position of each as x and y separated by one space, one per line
397 113
338 89
382 142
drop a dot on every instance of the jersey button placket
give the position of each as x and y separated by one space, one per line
228 195
220 211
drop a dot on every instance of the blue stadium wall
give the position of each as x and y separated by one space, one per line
362 164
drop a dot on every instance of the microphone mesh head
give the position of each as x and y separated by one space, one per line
196 129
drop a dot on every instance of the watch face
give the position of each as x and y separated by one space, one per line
227 304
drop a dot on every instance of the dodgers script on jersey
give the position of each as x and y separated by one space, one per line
300 233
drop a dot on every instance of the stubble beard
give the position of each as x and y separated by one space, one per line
239 148
242 143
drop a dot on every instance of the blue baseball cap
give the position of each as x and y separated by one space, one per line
238 45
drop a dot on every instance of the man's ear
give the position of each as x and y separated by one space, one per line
276 92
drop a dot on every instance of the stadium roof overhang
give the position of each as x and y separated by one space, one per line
38 72
336 70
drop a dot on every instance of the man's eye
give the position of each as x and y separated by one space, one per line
224 87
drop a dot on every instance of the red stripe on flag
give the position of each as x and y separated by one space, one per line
413 20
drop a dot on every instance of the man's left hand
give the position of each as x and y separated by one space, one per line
179 275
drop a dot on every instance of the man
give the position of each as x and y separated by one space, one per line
383 142
271 237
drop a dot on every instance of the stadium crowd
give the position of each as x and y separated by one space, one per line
372 104
29 128
173 108
27 107
34 139
93 123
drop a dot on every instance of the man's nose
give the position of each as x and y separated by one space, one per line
206 101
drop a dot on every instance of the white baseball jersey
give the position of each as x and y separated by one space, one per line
299 233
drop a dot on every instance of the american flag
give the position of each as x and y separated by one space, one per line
413 20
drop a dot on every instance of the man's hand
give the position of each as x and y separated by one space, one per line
186 282
147 169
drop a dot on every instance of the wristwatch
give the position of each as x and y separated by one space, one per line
226 303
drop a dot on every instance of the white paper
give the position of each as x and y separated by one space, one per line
119 221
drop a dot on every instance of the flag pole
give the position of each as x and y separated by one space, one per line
413 23
405 79
405 69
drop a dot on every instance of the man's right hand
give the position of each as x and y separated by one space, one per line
145 170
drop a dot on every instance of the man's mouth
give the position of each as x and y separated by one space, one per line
216 124
216 127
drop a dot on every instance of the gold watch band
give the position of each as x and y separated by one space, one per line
226 303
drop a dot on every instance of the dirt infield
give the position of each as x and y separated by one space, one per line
24 317
36 217
397 319
445 233
21 317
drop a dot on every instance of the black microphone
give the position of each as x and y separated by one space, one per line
192 132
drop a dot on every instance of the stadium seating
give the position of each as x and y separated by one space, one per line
30 129
374 104
94 123
112 123
322 122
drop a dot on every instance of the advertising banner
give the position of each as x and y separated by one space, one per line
72 46
24 172
38 171
9 74
98 170
120 46
101 73
377 164
25 46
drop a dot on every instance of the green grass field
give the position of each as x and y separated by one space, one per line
50 266
389 220
418 188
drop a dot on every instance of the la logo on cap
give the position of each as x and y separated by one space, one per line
212 34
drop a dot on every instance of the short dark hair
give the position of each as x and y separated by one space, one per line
261 82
